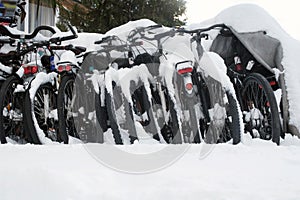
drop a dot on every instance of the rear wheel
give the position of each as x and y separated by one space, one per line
11 119
166 115
260 108
76 111
220 122
65 104
232 126
40 114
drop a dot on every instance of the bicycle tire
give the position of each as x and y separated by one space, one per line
6 94
256 86
232 121
31 112
65 129
169 127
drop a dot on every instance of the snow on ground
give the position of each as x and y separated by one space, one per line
254 170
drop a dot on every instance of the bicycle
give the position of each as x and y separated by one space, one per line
254 87
11 97
40 109
191 91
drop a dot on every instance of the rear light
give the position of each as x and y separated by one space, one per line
64 68
139 43
189 86
184 67
185 70
30 69
238 67
4 23
272 83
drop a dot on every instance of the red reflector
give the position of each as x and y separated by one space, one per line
272 83
68 67
139 43
4 23
238 67
60 68
268 104
189 86
34 69
185 70
30 69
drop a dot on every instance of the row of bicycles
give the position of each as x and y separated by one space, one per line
152 79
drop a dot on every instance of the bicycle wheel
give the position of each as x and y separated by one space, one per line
11 119
260 108
40 114
232 126
65 104
166 115
75 110
190 111
221 121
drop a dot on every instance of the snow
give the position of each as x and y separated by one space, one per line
254 170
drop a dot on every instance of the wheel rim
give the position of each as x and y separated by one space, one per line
256 102
45 111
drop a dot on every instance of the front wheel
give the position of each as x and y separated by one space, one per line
260 108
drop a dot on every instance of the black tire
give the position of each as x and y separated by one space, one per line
213 130
188 100
33 112
111 113
12 128
232 128
150 125
169 128
71 122
66 125
257 92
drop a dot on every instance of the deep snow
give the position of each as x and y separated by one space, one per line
254 170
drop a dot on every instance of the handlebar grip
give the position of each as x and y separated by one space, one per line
102 40
57 47
6 19
155 26
81 49
7 41
71 37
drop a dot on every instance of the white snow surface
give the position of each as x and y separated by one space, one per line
254 170
252 18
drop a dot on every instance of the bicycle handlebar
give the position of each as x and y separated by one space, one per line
76 49
58 40
181 30
5 31
141 31
7 41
